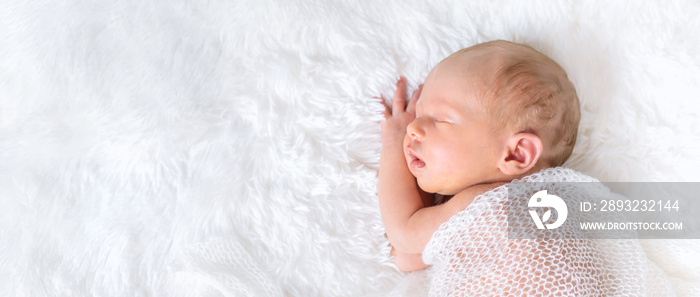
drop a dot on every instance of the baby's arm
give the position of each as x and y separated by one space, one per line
394 173
409 218
399 196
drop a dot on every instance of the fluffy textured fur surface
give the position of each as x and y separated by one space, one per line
133 131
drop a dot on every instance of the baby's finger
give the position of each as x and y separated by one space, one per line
414 99
387 112
399 100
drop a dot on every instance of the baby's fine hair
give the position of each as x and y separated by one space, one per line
530 92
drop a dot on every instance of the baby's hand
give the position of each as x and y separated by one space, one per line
398 116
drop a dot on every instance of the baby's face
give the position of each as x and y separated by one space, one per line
452 144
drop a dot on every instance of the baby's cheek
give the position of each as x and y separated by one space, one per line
451 163
444 155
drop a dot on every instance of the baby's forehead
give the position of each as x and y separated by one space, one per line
444 97
477 68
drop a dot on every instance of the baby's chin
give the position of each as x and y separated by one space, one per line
427 187
433 188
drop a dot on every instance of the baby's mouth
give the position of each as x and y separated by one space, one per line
416 162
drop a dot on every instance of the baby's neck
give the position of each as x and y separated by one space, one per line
469 193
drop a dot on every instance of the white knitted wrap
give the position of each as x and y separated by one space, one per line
471 255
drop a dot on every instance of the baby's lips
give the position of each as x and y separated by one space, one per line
417 164
416 161
410 153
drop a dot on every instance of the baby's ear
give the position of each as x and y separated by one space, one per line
521 154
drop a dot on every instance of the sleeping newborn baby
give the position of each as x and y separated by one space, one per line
485 116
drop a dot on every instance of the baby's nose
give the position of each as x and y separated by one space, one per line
414 131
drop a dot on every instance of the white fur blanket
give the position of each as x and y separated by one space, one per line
132 132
